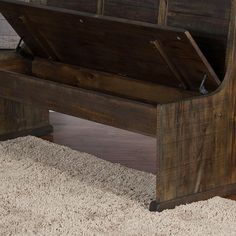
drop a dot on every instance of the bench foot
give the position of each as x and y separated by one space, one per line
17 119
154 206
38 132
222 191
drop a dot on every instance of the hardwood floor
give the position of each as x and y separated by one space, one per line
115 145
111 144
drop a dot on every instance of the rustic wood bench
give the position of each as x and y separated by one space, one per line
151 79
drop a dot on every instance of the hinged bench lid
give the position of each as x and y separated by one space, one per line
138 50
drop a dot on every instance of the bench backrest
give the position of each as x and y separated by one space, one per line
207 20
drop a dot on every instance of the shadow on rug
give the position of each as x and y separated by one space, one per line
47 189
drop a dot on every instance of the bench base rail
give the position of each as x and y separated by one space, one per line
222 191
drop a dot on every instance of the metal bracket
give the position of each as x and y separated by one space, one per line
23 50
18 48
202 88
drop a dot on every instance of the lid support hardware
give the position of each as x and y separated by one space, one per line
202 88
18 47
160 48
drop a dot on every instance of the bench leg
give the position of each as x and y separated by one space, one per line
18 119
196 149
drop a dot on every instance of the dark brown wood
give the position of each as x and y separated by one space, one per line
222 191
107 83
86 104
9 60
208 22
116 46
34 131
134 10
196 142
81 5
17 119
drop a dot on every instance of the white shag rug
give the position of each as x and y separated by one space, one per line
47 189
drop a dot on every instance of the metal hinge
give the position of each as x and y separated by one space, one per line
202 88
18 47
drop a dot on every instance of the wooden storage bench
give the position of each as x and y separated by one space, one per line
157 80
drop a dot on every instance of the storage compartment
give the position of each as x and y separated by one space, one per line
132 50
207 21
111 84
105 69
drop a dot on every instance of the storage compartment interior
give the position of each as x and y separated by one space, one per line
146 92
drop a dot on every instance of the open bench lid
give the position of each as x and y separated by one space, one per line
138 50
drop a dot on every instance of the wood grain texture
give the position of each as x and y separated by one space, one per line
81 5
11 61
16 118
109 41
108 83
86 104
208 22
133 9
196 142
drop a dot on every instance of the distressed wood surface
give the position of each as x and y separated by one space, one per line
13 62
86 104
18 119
196 142
206 20
134 10
108 83
82 5
196 138
146 11
196 145
141 51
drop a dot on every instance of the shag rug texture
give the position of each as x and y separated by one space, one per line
47 189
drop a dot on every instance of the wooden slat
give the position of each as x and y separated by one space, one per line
9 60
100 7
211 9
81 5
18 119
108 83
208 22
111 45
109 110
163 10
133 9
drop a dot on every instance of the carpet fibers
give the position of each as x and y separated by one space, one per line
47 189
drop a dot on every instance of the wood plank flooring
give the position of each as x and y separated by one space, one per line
111 144
115 145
